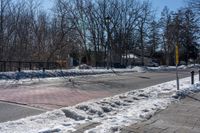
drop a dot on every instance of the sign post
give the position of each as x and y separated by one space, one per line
177 61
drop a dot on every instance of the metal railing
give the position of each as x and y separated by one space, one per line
28 65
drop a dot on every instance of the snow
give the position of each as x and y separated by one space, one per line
130 56
139 69
161 68
111 113
57 73
189 66
79 71
182 67
84 66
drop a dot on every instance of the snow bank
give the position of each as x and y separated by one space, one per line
189 66
161 68
194 66
182 67
79 71
111 113
84 66
139 69
57 73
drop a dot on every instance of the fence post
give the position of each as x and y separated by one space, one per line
19 67
4 65
44 66
192 77
10 66
47 65
30 65
199 75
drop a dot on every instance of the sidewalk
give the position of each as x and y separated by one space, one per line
182 117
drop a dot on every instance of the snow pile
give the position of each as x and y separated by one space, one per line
182 67
194 66
111 113
79 71
161 68
84 66
58 73
139 69
189 66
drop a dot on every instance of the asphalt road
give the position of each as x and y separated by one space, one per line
123 82
11 111
110 83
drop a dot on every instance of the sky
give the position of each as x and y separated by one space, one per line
47 4
157 4
171 4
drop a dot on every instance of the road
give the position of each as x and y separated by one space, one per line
11 111
124 82
63 92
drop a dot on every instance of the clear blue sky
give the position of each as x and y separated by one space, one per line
172 4
47 4
157 4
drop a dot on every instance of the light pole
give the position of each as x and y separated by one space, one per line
107 22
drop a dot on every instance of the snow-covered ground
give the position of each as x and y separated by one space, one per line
111 113
78 72
56 73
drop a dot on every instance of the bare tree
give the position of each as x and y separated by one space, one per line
165 24
62 33
195 5
4 8
143 21
153 37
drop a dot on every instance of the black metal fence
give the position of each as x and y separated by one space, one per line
28 65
